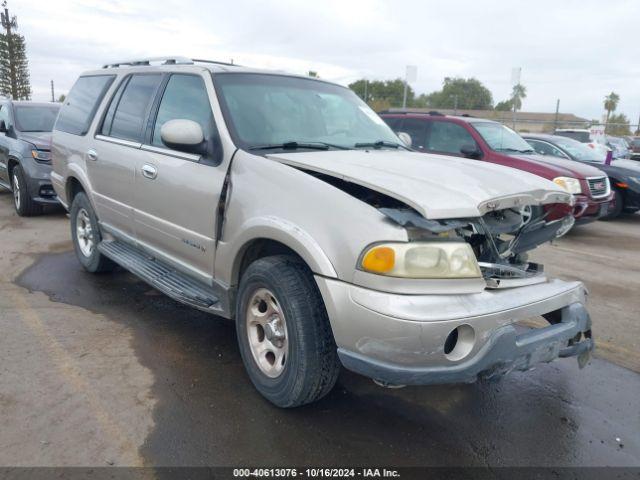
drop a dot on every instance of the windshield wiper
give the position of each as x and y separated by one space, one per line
379 144
296 145
527 150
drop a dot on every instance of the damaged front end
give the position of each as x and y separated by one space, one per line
500 238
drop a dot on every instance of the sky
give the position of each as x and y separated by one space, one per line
575 51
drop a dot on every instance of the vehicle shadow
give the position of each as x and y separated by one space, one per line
208 413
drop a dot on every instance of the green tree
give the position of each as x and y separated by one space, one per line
62 98
618 124
383 94
611 103
313 74
466 94
518 93
14 68
504 106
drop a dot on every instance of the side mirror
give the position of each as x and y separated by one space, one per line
183 135
3 127
470 150
405 138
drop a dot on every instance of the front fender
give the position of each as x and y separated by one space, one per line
229 254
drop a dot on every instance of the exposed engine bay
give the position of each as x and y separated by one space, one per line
500 238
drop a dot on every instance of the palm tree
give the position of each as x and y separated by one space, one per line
611 103
518 93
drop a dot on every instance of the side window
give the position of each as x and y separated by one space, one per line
105 129
185 97
417 130
81 104
393 123
544 148
4 115
448 137
132 107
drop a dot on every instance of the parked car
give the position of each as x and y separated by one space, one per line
491 141
624 175
25 156
287 204
619 147
584 136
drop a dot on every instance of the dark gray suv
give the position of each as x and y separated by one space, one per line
25 153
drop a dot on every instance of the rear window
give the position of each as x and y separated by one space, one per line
82 103
583 137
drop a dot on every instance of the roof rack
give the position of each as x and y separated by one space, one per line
163 61
399 111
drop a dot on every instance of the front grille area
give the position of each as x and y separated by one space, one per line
598 186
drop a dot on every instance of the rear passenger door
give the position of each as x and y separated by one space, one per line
112 161
448 138
177 193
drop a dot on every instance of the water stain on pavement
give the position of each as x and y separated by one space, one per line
208 413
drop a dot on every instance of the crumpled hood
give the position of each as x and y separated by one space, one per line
437 186
42 140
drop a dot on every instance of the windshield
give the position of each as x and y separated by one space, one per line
577 151
501 138
269 110
36 119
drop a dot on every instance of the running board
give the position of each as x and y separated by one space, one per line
162 277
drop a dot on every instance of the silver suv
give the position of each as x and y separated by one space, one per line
285 203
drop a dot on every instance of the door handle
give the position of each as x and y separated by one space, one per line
92 154
149 171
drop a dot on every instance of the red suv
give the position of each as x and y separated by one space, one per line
491 141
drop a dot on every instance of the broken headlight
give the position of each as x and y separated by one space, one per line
421 260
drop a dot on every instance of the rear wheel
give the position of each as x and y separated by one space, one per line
283 332
22 201
86 236
619 206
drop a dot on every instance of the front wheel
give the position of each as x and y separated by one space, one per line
283 332
86 236
22 201
617 209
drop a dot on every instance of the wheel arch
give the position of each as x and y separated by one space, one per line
273 237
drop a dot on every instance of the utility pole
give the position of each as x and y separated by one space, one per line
7 24
53 95
555 122
455 104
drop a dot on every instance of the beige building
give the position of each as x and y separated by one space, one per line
534 122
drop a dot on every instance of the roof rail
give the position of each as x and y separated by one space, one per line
199 60
147 62
408 111
164 61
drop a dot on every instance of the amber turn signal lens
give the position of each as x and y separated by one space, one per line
379 260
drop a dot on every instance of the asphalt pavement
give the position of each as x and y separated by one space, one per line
100 370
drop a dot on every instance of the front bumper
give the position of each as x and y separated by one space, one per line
587 209
39 181
400 339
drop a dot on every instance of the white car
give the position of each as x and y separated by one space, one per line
585 136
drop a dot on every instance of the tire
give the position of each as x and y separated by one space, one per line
310 365
617 210
86 236
22 201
